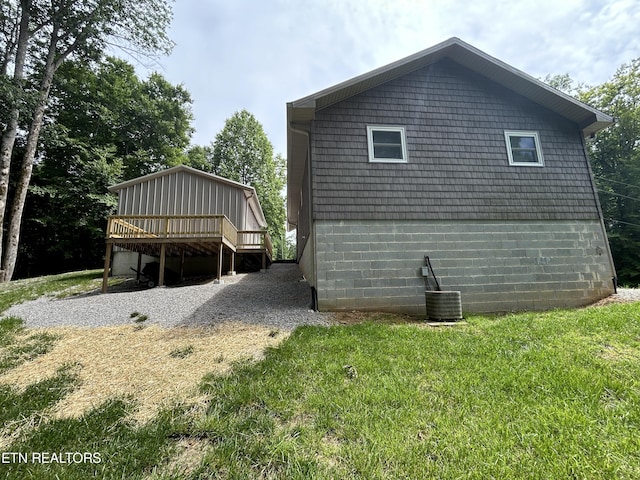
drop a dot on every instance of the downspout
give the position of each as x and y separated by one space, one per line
312 227
594 188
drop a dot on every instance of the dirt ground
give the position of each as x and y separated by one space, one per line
153 365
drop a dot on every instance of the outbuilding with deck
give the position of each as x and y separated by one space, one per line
192 219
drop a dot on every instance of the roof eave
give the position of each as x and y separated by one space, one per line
298 126
462 53
252 199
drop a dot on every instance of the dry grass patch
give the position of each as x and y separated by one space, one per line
619 353
189 454
141 363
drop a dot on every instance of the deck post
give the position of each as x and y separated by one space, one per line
163 254
107 265
219 273
264 260
182 264
232 267
139 267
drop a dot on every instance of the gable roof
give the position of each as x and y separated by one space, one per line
301 112
179 168
249 191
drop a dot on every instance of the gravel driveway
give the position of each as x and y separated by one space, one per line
278 298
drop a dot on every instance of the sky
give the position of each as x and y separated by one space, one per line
260 54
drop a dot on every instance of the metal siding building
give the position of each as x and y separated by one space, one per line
191 219
184 190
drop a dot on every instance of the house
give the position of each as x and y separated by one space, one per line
189 220
452 154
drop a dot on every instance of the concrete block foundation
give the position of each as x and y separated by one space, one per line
497 266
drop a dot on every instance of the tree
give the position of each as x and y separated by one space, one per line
104 125
67 208
615 160
148 122
564 83
201 158
242 152
37 37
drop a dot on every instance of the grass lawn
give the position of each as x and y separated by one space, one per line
535 395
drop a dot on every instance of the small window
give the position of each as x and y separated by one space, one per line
523 149
387 144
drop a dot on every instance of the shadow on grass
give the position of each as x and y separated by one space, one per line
36 397
16 352
102 443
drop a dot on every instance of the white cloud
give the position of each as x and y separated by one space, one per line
259 55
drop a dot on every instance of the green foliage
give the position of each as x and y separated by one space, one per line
84 29
242 152
615 159
147 123
68 204
37 37
564 83
201 158
107 125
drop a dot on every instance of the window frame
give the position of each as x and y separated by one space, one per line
387 128
536 141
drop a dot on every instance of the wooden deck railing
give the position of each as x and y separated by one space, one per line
149 227
255 240
133 227
149 230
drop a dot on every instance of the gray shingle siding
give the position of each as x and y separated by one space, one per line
457 160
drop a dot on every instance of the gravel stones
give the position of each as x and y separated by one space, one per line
278 298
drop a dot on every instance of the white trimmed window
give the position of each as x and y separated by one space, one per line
387 144
523 148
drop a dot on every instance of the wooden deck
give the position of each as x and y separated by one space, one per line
180 235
